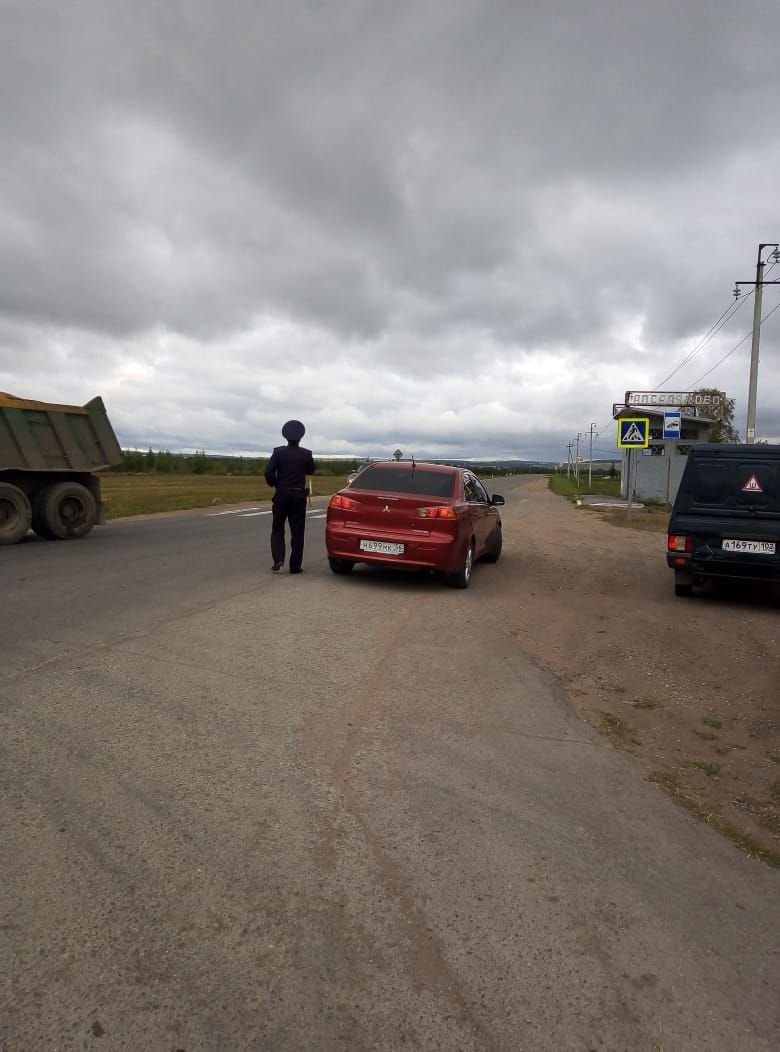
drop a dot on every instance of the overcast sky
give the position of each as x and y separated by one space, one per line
460 227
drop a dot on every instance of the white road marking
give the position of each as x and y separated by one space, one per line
253 514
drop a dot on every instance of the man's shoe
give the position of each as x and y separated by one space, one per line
277 567
298 569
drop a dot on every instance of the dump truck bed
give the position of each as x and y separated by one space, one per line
41 436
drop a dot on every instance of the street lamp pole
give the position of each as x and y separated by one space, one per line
750 432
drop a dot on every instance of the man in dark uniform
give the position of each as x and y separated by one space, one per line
286 471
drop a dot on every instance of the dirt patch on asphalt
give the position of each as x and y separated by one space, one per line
689 687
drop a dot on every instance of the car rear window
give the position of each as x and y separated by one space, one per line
404 480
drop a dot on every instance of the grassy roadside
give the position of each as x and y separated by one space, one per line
150 494
648 519
567 486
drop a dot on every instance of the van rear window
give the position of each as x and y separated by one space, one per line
404 480
735 485
712 483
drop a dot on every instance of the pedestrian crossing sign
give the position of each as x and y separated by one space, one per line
634 432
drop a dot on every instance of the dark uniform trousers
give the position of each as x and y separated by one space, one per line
288 505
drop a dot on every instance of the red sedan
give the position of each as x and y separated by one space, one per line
416 516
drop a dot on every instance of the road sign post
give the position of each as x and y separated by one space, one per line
633 433
672 432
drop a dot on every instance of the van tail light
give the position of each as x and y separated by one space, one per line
338 500
680 542
441 511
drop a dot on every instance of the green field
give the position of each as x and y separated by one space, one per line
147 494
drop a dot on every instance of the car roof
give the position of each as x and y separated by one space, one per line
409 464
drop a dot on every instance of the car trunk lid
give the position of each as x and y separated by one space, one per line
393 513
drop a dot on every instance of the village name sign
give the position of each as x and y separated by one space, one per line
676 398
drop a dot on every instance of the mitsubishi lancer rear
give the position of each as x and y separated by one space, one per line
414 516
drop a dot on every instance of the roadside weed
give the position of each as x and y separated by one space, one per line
713 721
710 769
617 729
670 783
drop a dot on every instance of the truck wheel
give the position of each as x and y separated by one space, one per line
65 510
15 514
39 524
462 578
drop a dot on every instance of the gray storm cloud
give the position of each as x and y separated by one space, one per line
465 225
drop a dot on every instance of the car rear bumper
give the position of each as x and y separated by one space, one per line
432 552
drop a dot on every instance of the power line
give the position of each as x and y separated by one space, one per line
726 316
736 346
714 329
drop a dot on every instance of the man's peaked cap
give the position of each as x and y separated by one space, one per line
293 431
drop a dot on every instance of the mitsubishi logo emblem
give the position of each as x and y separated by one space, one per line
386 507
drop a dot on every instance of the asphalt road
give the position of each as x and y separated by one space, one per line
242 810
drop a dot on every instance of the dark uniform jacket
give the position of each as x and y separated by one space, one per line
288 467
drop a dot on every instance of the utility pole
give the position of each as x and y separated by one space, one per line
750 431
568 460
590 456
577 461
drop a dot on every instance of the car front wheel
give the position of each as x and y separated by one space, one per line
462 578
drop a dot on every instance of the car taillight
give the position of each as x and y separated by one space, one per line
439 512
680 542
344 503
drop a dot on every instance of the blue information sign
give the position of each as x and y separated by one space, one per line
672 424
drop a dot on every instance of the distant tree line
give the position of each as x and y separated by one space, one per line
163 462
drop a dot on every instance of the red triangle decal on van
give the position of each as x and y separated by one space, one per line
752 485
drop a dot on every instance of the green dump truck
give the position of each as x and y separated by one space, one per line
48 458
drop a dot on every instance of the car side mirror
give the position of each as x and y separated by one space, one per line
497 499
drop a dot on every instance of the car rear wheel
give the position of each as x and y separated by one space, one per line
683 583
462 578
15 514
493 554
341 565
